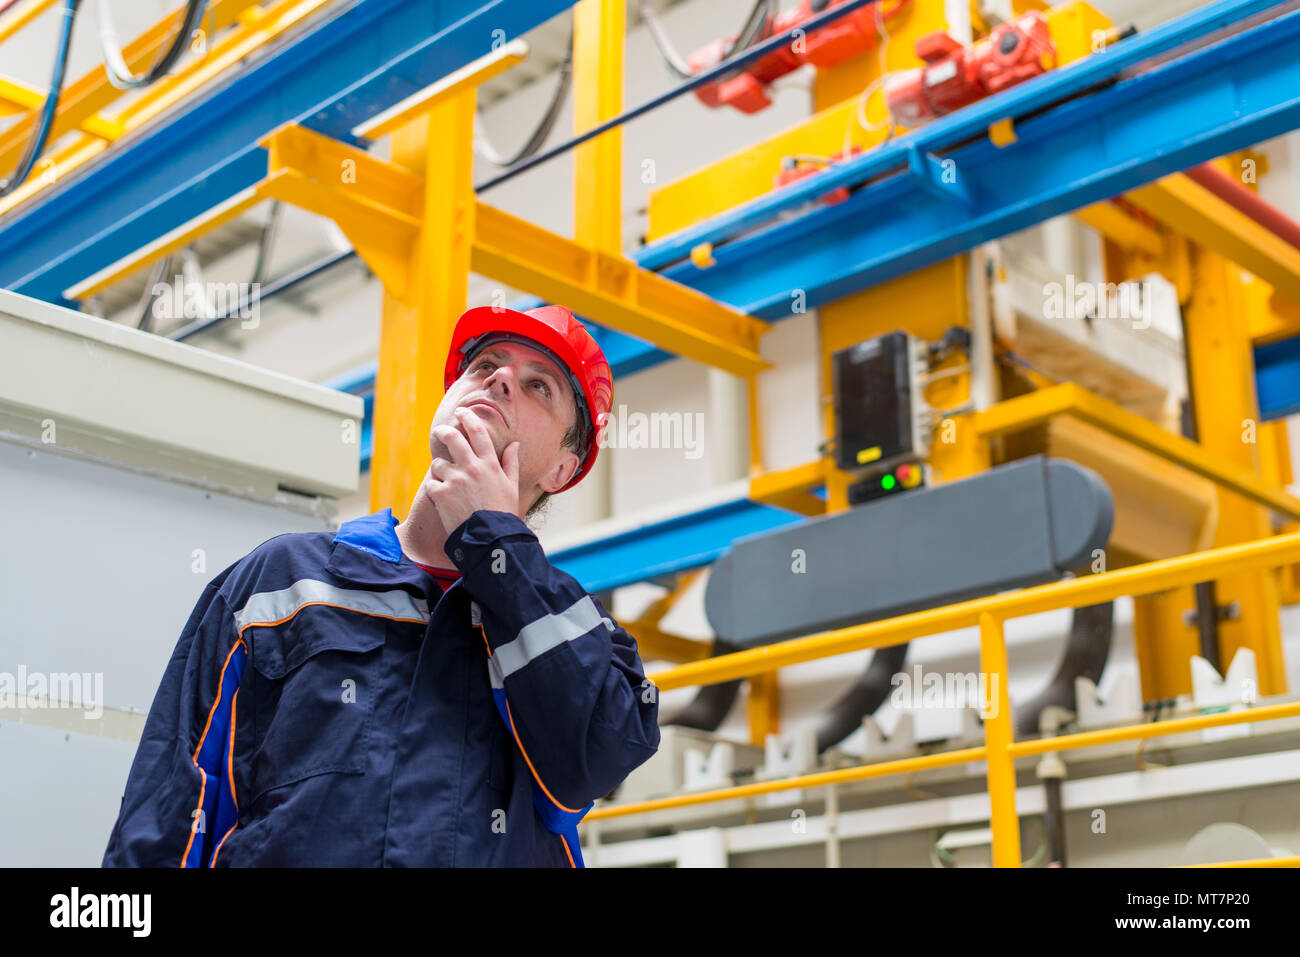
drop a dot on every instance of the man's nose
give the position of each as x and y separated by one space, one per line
502 376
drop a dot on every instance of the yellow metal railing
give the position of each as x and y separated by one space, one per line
1000 749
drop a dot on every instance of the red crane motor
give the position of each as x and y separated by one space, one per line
955 75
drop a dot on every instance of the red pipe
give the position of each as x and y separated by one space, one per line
1234 194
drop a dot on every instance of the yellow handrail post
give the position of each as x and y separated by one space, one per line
997 744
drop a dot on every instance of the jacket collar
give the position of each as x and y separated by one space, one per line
366 551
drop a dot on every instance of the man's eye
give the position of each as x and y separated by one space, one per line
483 363
546 390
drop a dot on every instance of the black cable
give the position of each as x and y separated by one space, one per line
543 130
749 34
265 242
147 300
114 62
36 145
726 68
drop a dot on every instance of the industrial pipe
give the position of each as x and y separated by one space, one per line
1238 196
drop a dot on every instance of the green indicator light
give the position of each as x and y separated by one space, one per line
888 482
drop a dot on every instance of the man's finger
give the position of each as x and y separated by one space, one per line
430 487
459 449
438 468
477 432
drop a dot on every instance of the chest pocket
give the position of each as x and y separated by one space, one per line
314 696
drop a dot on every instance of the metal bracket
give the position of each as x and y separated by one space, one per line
1228 612
937 177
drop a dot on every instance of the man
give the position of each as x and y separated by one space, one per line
430 692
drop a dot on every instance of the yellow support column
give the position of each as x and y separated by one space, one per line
1164 639
1275 457
764 707
598 29
1227 424
997 740
416 330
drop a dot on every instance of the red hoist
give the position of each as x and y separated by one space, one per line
834 43
953 75
956 75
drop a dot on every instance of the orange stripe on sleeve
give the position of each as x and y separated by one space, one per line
203 777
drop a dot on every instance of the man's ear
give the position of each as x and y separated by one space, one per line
559 475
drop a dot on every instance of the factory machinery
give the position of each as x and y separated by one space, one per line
1001 439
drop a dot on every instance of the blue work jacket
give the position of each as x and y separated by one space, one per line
329 705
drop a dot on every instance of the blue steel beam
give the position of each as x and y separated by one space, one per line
1056 91
358 62
677 544
1277 378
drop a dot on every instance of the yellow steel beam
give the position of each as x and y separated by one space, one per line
53 168
598 30
378 205
421 103
1191 209
373 202
792 488
1037 408
615 292
165 245
28 99
1089 590
1122 229
377 199
377 184
1271 317
381 238
82 99
25 14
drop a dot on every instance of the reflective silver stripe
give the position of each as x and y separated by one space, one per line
546 633
494 674
269 607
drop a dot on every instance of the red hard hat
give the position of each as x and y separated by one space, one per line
554 331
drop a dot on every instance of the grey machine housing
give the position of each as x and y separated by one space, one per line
1024 523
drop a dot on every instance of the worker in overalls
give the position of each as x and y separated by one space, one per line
430 692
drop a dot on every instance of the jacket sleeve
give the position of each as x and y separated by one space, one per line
179 801
580 705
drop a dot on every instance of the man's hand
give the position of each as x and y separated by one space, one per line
473 480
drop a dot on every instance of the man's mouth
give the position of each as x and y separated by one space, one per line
485 404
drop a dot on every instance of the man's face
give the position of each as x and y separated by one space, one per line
519 394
